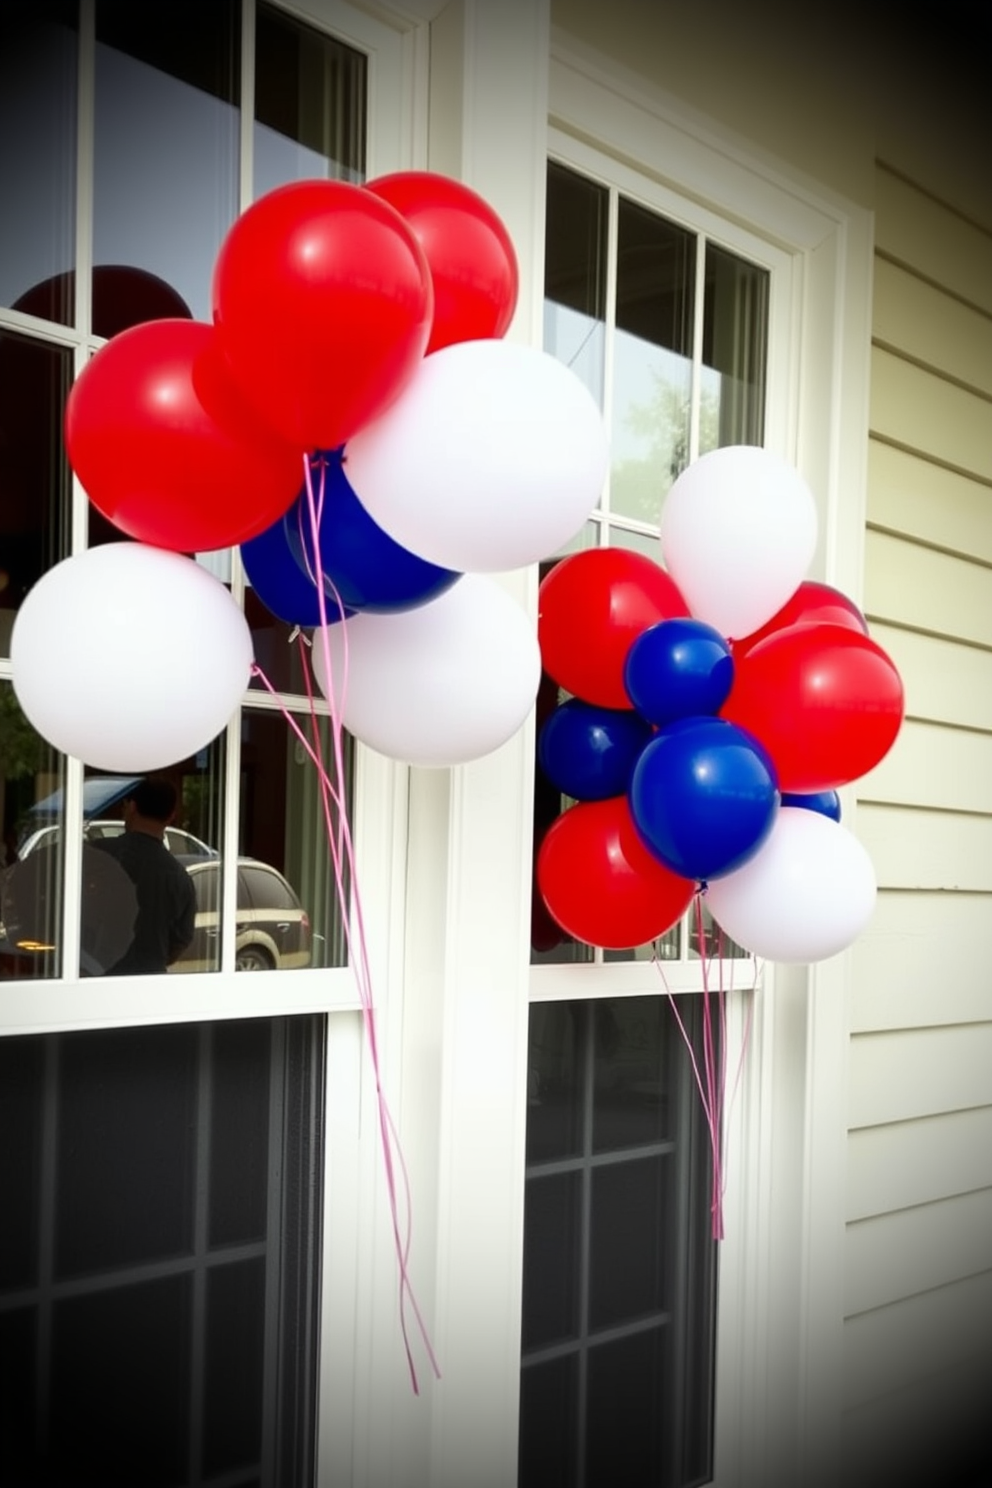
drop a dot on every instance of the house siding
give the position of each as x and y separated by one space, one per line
918 1246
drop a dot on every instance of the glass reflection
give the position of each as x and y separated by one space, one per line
31 773
151 861
652 361
35 487
38 103
165 149
575 275
735 341
287 891
310 105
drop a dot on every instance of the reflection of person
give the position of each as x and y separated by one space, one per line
166 897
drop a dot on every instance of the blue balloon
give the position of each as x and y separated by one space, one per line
279 581
589 752
827 803
704 796
366 567
678 668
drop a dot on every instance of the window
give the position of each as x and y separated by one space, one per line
669 331
161 1152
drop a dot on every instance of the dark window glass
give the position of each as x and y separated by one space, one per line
31 775
735 340
575 275
117 1404
126 1153
239 1132
38 103
233 1370
34 474
291 916
158 1291
619 1260
548 1425
165 171
20 1156
652 372
309 104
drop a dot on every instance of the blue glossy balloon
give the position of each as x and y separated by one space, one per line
679 668
589 752
279 581
827 803
366 567
704 796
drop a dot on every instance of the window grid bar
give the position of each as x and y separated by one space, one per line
273 1250
198 1329
599 1160
698 315
46 1240
609 343
646 1324
129 1275
585 1242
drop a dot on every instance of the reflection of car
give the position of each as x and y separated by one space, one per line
273 929
176 840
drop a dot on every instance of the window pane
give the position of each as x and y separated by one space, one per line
653 360
150 869
575 275
554 1106
137 1347
35 487
165 152
126 1153
309 105
288 912
735 338
38 93
619 1260
31 778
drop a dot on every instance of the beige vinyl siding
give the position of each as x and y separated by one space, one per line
919 1188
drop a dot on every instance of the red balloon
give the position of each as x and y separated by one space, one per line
601 884
472 261
825 700
165 446
323 300
591 608
812 604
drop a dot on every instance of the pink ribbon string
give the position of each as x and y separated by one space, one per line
341 847
709 1067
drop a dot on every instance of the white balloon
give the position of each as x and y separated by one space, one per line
492 457
738 532
439 685
129 657
807 893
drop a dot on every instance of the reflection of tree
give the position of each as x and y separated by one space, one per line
638 486
22 751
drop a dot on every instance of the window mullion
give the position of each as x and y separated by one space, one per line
698 314
609 342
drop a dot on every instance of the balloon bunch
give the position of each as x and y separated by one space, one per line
355 350
717 705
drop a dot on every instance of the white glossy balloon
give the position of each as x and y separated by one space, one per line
738 532
492 457
129 657
806 894
439 685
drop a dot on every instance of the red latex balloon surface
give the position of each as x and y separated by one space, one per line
825 700
323 300
601 884
592 606
166 448
812 604
472 261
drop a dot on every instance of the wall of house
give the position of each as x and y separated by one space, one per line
918 1331
899 123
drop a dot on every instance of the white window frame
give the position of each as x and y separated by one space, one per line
464 1059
